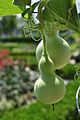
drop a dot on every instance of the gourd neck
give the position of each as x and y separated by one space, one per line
46 65
53 34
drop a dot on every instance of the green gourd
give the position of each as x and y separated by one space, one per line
49 88
58 49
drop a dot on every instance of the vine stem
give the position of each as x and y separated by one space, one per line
44 43
41 20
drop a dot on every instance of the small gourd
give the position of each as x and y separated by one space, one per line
58 49
49 88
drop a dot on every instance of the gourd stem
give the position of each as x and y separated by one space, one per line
44 43
53 106
40 13
41 20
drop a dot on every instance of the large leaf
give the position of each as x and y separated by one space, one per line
7 8
60 7
74 20
22 3
62 11
27 13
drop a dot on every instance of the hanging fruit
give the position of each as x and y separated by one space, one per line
58 49
49 88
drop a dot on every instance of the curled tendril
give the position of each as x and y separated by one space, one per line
77 75
27 32
31 30
69 15
35 34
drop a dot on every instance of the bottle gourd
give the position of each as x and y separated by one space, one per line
49 88
52 53
58 49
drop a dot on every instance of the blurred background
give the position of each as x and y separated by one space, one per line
19 71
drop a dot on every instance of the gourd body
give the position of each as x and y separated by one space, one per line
49 88
58 49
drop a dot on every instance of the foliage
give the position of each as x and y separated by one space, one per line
64 12
68 72
7 8
14 75
15 83
11 26
38 111
7 24
53 11
22 3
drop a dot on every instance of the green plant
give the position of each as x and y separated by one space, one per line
65 109
49 88
62 15
49 83
15 81
68 72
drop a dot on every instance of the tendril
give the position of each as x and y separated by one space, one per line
77 75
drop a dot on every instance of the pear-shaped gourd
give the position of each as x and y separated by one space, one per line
49 88
58 49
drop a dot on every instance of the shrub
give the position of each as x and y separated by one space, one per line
15 81
68 71
64 110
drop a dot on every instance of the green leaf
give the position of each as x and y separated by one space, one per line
74 20
64 12
22 2
25 13
7 8
35 5
60 7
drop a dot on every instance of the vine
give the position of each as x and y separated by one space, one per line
77 75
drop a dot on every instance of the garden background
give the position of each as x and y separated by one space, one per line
19 71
